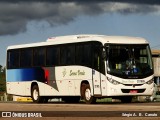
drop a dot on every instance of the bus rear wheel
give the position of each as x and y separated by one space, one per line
36 97
86 94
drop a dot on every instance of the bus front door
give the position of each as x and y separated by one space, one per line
96 83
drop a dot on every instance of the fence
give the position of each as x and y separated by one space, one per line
5 97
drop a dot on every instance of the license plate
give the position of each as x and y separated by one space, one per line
133 91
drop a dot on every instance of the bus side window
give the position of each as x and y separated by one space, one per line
52 56
39 57
79 54
87 55
26 57
68 54
71 55
13 59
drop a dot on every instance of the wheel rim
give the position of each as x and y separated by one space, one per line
88 94
35 94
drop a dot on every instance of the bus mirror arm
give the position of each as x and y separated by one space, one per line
105 52
103 55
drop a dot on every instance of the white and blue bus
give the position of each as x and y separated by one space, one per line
81 67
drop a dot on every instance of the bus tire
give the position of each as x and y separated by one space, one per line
35 95
86 94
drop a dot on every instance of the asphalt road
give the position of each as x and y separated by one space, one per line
59 111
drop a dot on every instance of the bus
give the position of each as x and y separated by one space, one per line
81 67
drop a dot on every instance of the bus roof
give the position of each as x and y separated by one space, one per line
84 38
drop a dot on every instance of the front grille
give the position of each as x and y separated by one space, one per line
133 84
128 90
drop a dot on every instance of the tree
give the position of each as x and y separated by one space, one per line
1 67
2 79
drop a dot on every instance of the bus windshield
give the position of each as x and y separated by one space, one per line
129 61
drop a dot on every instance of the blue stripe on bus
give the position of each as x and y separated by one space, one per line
28 74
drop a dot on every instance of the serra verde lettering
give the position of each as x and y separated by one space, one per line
75 73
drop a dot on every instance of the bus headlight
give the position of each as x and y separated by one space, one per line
113 81
149 82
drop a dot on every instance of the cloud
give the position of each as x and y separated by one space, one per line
16 14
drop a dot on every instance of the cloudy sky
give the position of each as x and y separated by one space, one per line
28 21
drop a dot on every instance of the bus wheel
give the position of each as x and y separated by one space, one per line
86 94
35 95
